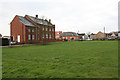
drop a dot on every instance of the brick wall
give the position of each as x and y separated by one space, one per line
17 28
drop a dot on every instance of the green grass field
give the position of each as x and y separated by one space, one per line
77 59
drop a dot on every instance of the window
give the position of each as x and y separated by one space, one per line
38 38
66 37
38 31
46 28
29 37
57 33
43 28
53 35
50 36
46 35
28 30
63 37
33 37
53 29
49 29
57 36
43 35
32 30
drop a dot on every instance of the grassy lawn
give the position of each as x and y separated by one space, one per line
78 59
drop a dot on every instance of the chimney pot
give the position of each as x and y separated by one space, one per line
36 16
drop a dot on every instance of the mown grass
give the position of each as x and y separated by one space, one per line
79 59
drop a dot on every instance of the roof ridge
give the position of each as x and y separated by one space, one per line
19 16
33 17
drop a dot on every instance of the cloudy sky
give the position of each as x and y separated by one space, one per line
67 15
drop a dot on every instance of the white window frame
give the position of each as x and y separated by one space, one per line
38 31
53 29
43 28
66 37
47 36
46 29
28 29
49 29
29 37
38 38
50 36
33 37
43 36
33 30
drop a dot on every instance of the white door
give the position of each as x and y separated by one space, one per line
18 38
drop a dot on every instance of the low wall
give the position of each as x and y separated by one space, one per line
37 42
46 41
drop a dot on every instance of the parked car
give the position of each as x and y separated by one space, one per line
118 38
111 38
13 42
80 39
88 39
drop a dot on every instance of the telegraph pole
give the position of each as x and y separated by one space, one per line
10 36
104 30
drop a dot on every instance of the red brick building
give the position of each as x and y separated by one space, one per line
58 34
70 36
29 29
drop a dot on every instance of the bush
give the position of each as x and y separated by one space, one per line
4 41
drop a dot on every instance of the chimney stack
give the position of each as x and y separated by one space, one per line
36 16
49 20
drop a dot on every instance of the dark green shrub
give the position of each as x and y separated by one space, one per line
4 41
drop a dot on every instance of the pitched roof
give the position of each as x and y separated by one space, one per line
39 21
92 34
81 34
25 21
69 34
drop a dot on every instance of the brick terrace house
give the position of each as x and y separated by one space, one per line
92 36
29 29
70 36
98 36
58 34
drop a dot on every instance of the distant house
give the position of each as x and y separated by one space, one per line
113 34
118 33
81 35
85 37
100 35
29 29
70 36
92 36
58 34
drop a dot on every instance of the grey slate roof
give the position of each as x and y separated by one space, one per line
69 34
81 34
39 21
25 21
